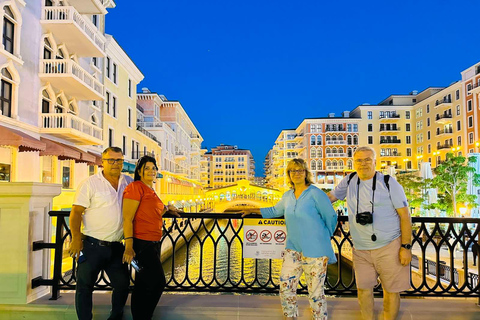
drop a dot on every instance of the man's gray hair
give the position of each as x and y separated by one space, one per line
366 148
112 149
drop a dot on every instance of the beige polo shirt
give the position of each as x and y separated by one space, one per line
102 218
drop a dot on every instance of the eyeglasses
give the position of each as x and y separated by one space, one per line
300 171
113 161
366 161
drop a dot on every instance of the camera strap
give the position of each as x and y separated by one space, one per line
374 186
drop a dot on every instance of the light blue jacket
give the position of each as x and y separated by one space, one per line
310 221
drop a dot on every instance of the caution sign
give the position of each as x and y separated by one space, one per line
264 238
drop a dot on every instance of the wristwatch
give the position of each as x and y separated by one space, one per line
407 246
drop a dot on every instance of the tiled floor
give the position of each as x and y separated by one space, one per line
249 307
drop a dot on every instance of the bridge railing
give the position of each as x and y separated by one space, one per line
212 258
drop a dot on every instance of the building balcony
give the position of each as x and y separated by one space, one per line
336 155
391 141
335 168
92 6
444 132
336 142
445 146
299 137
72 29
340 130
148 134
71 128
445 102
194 150
195 136
69 77
443 118
393 154
180 155
387 117
387 130
181 171
476 88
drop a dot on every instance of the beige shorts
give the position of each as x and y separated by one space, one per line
383 263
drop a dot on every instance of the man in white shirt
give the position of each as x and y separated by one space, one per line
98 206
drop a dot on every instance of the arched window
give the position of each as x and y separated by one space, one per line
349 152
47 49
334 163
313 165
319 165
60 54
334 138
93 119
328 163
319 152
340 163
59 108
340 150
349 139
313 153
319 140
46 102
355 140
327 138
9 26
349 164
312 140
334 150
6 93
72 108
327 151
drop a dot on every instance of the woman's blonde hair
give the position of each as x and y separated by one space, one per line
299 163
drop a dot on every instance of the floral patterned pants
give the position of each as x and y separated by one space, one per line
315 269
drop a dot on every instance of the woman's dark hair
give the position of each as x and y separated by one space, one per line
141 163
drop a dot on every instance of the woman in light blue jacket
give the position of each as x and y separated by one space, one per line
311 221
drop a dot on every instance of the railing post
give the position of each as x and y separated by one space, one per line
57 263
478 268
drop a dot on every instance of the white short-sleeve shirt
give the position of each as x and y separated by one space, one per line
102 218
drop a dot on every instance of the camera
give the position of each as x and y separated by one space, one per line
364 218
135 265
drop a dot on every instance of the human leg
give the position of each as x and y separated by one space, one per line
315 270
149 282
366 279
289 278
119 277
366 302
391 305
87 273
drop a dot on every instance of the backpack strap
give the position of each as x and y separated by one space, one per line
350 177
385 179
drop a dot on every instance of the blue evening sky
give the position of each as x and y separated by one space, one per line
245 70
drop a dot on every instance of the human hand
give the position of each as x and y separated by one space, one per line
405 256
128 255
75 247
246 213
174 210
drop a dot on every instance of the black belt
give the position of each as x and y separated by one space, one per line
101 243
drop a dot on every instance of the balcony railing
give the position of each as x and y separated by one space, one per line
71 127
397 141
393 154
443 101
434 272
444 131
445 116
388 129
336 142
390 116
335 130
336 155
335 168
148 134
445 146
69 76
69 27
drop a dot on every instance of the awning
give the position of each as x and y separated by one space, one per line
24 142
98 158
159 175
85 156
60 150
128 167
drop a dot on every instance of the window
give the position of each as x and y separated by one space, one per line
428 108
8 29
469 105
370 127
409 152
95 20
470 121
6 89
66 177
129 88
95 61
115 73
407 114
408 139
428 135
428 122
469 87
107 101
129 117
370 115
313 153
370 139
124 145
114 107
429 148
107 67
110 137
457 94
458 110
47 49
407 127
312 140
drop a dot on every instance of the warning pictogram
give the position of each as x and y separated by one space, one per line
251 235
280 236
265 236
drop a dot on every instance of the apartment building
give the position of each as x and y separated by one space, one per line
181 143
230 164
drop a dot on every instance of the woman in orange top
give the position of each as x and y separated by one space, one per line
142 229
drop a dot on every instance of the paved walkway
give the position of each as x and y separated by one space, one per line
249 307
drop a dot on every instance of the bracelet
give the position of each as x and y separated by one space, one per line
127 238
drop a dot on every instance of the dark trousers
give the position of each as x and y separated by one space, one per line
97 258
149 282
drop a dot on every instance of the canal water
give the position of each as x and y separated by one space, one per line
213 257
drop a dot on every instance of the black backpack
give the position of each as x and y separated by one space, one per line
386 178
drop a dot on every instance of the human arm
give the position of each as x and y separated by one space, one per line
405 255
331 197
75 222
325 210
130 207
172 210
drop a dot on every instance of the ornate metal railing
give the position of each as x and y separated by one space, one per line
213 248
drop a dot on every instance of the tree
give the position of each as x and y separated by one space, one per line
415 189
451 180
